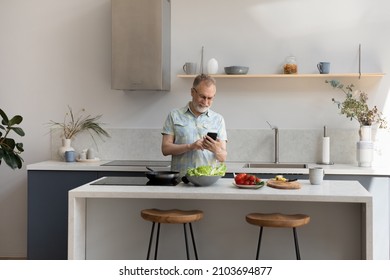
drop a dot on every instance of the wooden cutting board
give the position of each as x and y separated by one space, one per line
283 185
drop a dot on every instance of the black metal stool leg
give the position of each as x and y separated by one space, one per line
186 240
150 241
259 242
296 244
193 242
157 238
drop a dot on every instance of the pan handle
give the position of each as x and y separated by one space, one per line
150 169
184 179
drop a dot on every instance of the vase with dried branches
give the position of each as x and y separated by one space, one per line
355 107
74 124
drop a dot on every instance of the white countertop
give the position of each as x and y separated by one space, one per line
223 189
336 169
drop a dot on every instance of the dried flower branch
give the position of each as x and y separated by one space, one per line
355 106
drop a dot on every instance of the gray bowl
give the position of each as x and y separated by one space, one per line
203 180
236 70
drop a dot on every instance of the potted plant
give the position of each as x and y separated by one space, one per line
73 124
355 107
9 149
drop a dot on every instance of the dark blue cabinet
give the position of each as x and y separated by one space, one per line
47 198
47 225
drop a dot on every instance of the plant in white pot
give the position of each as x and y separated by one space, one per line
73 124
10 150
355 107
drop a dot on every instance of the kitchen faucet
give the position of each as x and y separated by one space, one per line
276 142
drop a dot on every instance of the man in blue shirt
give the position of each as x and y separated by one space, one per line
185 130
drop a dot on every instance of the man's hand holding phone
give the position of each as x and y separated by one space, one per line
213 135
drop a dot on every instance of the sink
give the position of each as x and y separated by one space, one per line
275 165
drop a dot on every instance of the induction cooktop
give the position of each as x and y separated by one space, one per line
134 181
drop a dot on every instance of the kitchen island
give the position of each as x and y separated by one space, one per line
105 222
50 181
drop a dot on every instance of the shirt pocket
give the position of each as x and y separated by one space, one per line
209 127
181 130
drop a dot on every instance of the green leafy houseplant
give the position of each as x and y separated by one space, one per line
10 150
355 106
76 123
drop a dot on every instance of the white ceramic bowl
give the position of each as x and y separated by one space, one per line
203 180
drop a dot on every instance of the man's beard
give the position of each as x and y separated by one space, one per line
201 109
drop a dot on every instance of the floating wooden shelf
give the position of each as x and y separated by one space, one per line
259 76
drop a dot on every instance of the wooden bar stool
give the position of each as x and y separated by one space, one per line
173 216
278 220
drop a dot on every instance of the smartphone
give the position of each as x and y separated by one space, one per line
212 135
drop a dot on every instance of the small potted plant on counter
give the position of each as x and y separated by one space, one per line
9 149
73 124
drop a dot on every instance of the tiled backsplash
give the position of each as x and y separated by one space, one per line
297 145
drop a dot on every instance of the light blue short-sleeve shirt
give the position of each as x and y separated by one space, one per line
186 129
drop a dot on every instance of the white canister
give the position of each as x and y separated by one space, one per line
365 153
90 153
83 154
212 66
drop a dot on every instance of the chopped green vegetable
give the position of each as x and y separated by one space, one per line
207 170
261 183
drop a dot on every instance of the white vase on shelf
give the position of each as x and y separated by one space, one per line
365 153
66 146
365 133
365 147
212 66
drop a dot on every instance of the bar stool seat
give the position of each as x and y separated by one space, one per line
278 220
172 216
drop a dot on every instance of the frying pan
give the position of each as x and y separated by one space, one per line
161 175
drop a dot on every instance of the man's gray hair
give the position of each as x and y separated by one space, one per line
208 80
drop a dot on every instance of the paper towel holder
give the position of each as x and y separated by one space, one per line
325 135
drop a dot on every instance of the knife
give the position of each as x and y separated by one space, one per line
292 180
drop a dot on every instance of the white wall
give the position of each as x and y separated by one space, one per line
56 53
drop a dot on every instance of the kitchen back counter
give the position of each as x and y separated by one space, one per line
237 166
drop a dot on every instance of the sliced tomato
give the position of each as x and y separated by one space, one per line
240 178
240 182
246 179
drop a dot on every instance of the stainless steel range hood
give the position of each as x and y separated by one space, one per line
141 45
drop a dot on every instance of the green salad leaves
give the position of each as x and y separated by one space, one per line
207 170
